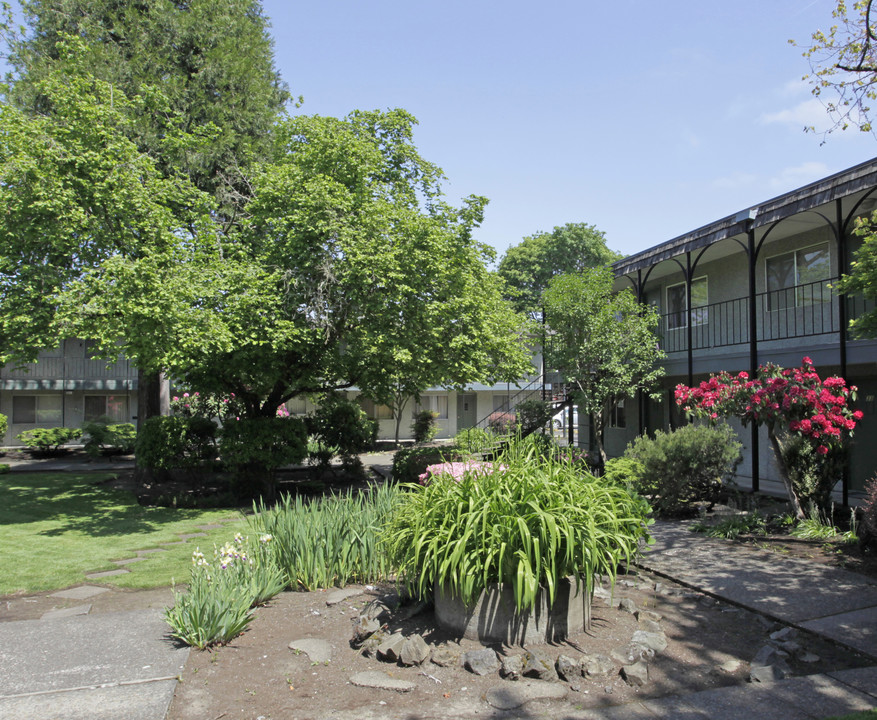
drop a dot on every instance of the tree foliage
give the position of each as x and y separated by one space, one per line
528 267
603 342
862 278
843 65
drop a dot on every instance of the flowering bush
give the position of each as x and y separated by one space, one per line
207 405
457 470
795 405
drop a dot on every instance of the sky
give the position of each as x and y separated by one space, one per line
644 119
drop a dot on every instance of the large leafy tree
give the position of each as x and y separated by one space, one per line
345 236
528 266
843 65
603 342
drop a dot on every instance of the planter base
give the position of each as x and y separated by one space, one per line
494 617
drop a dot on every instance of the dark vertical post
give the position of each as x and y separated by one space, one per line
689 333
753 344
842 329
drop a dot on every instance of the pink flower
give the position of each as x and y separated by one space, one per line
822 450
858 414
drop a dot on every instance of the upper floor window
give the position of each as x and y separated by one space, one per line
677 305
797 278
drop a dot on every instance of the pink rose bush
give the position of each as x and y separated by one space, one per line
805 416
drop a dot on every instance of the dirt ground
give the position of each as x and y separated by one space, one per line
258 677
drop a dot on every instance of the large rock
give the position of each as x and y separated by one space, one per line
319 651
446 656
391 649
539 665
598 666
636 675
381 681
415 651
511 696
512 667
568 668
481 662
653 641
370 646
363 628
375 610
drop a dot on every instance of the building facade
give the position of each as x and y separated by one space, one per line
755 287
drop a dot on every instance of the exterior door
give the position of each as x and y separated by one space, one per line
466 410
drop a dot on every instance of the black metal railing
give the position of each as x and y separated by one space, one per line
801 311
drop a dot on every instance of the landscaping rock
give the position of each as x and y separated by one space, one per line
642 615
512 667
375 610
627 605
653 641
766 673
381 681
391 649
631 653
598 666
415 651
363 628
636 675
446 656
481 662
538 665
369 648
509 697
602 594
319 651
730 666
786 633
767 655
339 596
568 668
650 626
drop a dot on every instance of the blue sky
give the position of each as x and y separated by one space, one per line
646 119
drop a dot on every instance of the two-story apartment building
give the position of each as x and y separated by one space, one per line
755 287
65 388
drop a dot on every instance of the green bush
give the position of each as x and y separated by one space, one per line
255 447
341 427
533 414
48 440
868 510
424 428
4 468
623 471
475 440
813 476
328 541
410 463
4 426
529 523
685 466
165 443
101 438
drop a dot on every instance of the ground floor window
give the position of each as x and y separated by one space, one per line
617 415
375 411
37 409
436 403
114 407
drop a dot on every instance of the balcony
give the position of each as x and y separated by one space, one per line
806 310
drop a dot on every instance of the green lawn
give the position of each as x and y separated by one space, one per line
55 527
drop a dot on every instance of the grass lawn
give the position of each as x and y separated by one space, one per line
54 527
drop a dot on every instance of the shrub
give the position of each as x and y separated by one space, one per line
685 465
101 438
328 541
732 526
533 414
48 440
529 523
255 447
868 510
424 428
501 423
207 405
4 468
813 474
623 471
4 425
410 463
165 443
475 440
341 426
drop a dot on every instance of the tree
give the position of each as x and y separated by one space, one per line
528 267
843 65
603 342
346 248
862 278
807 421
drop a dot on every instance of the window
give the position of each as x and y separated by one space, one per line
436 403
677 307
501 403
114 407
617 416
796 278
374 411
36 409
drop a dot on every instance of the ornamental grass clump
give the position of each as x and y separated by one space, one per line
328 541
528 523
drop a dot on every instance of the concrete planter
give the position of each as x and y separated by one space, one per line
494 617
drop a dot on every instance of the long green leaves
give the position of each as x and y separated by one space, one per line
328 541
529 523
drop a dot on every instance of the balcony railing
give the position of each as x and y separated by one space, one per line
800 311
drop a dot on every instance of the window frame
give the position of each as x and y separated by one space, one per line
39 413
797 286
434 402
697 318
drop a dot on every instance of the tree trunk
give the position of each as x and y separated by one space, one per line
784 473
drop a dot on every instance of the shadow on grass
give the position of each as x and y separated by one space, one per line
80 503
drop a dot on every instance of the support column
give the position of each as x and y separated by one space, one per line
842 329
753 346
